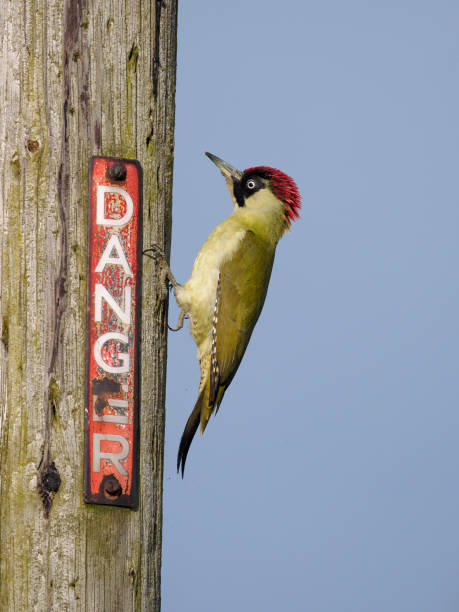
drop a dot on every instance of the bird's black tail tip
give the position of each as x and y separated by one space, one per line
181 460
187 436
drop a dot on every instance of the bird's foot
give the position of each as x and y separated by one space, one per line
157 254
182 317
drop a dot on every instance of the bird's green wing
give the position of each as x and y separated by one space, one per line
242 287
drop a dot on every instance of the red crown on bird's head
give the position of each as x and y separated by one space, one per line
284 188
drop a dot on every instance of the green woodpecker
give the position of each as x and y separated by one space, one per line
225 294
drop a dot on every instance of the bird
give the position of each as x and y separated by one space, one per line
225 293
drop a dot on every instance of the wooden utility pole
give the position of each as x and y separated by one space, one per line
77 78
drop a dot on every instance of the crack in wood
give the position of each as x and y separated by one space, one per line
159 4
72 20
133 57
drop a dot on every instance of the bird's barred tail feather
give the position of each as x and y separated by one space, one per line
200 414
208 401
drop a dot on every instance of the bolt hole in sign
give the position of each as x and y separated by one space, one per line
112 369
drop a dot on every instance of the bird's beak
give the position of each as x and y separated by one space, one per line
227 170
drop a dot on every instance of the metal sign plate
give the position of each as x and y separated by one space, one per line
112 368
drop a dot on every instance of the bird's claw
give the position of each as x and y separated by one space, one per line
155 251
166 275
182 317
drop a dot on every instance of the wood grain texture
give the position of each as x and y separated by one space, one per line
77 78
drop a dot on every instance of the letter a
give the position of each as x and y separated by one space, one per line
119 260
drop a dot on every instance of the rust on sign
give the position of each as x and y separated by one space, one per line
112 368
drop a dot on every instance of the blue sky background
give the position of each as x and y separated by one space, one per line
329 480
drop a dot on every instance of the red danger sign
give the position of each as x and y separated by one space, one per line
112 372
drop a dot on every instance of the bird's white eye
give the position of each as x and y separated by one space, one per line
251 184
